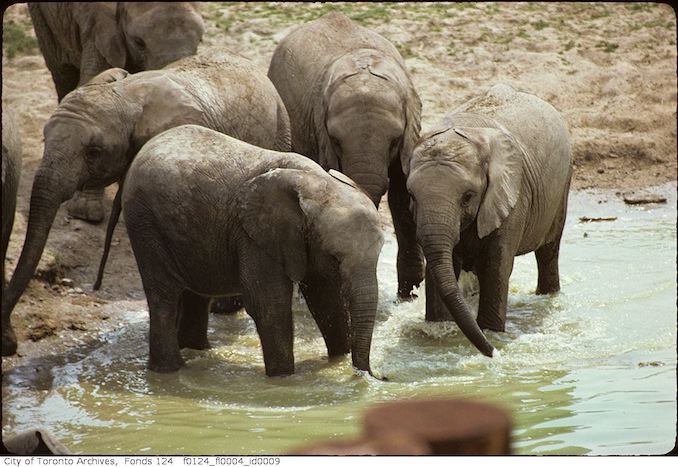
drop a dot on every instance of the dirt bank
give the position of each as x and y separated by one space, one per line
609 68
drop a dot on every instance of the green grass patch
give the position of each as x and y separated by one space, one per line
539 25
16 41
607 46
569 45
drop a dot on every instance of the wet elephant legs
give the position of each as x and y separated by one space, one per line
324 300
269 303
192 328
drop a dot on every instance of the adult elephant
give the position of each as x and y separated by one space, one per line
488 184
81 39
273 219
96 131
11 174
353 108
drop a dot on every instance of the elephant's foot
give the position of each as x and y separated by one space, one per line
165 365
87 205
194 343
492 323
226 305
8 340
280 370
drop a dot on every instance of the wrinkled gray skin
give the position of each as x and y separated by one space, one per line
490 183
81 39
97 130
353 108
208 215
11 173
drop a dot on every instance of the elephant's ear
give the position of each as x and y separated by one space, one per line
109 76
327 156
270 213
505 157
166 104
108 38
412 126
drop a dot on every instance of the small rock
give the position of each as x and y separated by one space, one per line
601 171
78 290
55 287
66 282
585 235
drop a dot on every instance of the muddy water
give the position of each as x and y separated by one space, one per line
591 370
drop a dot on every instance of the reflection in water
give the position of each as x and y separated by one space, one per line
590 370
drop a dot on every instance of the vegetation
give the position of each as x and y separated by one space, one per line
16 40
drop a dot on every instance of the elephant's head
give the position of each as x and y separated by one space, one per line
368 118
90 140
307 218
459 179
158 33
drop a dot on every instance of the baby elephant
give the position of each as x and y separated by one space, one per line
209 215
490 183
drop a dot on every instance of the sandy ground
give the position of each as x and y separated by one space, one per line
609 68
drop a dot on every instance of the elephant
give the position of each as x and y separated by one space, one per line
81 39
353 108
209 215
11 174
97 130
489 183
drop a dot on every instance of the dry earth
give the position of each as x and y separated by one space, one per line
610 68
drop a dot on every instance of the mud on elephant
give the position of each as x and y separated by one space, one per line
353 108
489 183
96 131
260 221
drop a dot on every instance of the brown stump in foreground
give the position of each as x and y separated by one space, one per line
392 444
448 426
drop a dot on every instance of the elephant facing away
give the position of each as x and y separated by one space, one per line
209 215
490 183
353 108
11 174
97 130
81 39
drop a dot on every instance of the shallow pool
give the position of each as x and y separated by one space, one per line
591 370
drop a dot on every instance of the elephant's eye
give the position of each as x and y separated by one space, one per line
467 197
94 152
139 42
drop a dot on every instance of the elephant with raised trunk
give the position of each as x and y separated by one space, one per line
353 108
11 174
79 40
209 215
490 183
96 131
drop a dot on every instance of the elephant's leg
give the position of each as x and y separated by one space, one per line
164 355
494 267
326 305
192 331
87 205
435 308
267 293
226 305
65 79
548 280
410 261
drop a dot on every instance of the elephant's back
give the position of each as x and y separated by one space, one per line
190 157
237 98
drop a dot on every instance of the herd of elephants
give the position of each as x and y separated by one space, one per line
235 183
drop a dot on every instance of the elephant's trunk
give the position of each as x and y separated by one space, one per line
49 190
437 239
374 180
363 298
